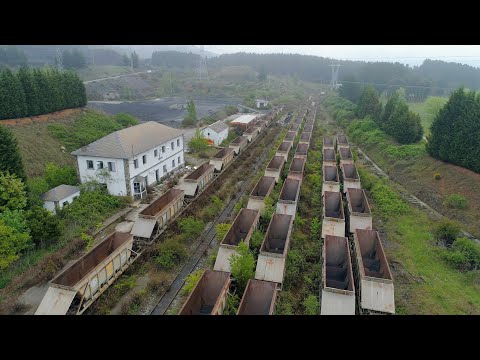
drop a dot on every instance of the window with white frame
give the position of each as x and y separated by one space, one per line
164 169
99 164
89 164
173 163
135 163
163 149
179 160
111 166
178 142
144 159
155 153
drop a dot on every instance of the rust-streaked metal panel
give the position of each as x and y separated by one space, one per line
258 298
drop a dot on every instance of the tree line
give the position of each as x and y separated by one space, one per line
30 92
395 118
455 131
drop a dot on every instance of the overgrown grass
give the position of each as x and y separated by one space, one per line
427 284
89 127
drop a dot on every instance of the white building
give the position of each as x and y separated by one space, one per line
60 196
129 159
216 132
261 103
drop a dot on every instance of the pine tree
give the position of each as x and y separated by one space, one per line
455 131
12 96
10 158
369 104
25 75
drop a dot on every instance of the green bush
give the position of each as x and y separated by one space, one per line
455 201
464 254
446 231
256 241
58 175
437 176
191 281
170 254
221 230
191 227
387 201
242 266
311 305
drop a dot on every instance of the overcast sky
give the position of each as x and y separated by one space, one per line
407 54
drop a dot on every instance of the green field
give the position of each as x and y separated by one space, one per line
427 110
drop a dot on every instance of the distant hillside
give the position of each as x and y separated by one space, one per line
146 51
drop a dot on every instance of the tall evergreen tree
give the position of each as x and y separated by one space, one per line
349 89
32 97
12 96
10 158
455 131
369 104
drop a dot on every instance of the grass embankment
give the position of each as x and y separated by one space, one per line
411 166
424 282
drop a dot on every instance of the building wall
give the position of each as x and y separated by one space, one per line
50 205
117 182
217 138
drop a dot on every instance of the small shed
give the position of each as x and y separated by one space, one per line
59 197
216 132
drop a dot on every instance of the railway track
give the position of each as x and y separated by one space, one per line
171 294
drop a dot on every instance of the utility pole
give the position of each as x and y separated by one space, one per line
202 66
334 81
59 59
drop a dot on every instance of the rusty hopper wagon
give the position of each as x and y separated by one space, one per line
263 188
194 183
274 167
284 149
259 298
333 216
239 144
262 124
345 156
329 157
302 150
251 133
296 169
338 290
308 128
290 137
156 216
241 230
77 287
359 210
328 143
273 252
288 199
305 137
209 296
330 179
342 141
294 127
351 179
222 159
373 277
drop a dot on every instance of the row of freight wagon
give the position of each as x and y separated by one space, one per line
210 294
364 285
75 288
